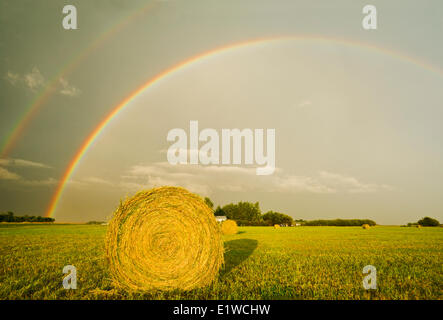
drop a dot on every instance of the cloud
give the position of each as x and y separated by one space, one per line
34 80
207 179
67 89
5 174
351 184
21 163
97 181
296 184
8 175
13 177
162 173
13 78
37 183
92 181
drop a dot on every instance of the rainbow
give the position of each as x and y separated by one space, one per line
88 142
51 88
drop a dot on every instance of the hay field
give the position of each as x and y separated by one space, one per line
293 263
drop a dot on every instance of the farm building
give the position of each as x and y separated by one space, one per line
220 218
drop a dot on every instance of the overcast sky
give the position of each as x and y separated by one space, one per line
358 131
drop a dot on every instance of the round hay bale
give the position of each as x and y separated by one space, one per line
164 238
229 227
365 226
418 226
276 226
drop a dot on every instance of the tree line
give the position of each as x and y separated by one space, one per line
249 214
10 217
340 222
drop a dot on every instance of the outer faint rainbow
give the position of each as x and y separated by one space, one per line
116 110
53 84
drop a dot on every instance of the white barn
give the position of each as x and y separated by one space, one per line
220 218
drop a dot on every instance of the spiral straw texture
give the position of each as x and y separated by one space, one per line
229 227
164 238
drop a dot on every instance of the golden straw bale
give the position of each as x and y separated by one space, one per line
229 227
276 226
164 238
365 226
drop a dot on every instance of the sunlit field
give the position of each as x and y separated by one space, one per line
260 263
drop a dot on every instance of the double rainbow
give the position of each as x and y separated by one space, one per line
88 142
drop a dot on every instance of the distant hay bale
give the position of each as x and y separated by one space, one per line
229 227
276 226
418 226
164 238
365 226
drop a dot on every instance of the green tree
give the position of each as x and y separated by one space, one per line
219 212
243 211
428 222
272 218
7 217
